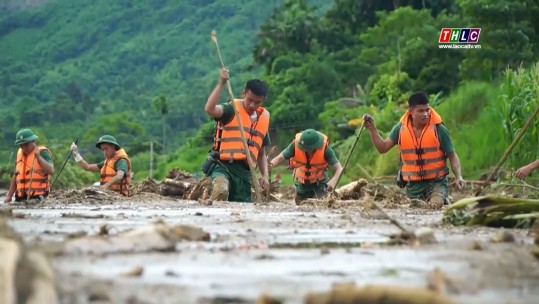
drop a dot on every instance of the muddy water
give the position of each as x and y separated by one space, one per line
282 250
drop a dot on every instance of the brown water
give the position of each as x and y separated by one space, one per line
280 249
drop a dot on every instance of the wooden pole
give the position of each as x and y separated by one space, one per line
508 151
151 160
348 158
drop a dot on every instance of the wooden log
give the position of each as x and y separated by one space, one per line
176 183
172 191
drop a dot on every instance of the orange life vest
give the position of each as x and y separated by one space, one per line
309 171
423 158
31 179
228 138
108 172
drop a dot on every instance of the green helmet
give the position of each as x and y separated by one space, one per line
24 136
310 140
108 139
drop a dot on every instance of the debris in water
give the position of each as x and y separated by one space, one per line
352 191
135 272
440 283
360 193
315 245
154 237
190 233
103 230
503 237
177 183
424 235
223 300
265 257
475 245
98 295
6 211
89 195
77 234
148 186
80 215
20 215
376 294
26 276
170 273
419 237
493 211
267 299
535 252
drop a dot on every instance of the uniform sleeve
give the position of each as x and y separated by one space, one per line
121 164
330 156
394 134
289 151
228 113
46 156
100 164
445 139
266 142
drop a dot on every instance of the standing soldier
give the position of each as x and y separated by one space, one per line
227 164
424 146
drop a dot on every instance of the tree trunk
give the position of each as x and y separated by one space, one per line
164 130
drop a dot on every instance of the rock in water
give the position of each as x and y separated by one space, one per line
25 275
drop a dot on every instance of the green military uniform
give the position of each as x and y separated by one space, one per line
121 164
425 189
236 172
312 190
46 156
310 140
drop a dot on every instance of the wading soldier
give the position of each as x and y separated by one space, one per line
227 164
310 156
424 146
115 169
33 169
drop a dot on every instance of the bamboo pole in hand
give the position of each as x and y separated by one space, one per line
240 124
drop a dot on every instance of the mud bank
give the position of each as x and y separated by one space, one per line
282 250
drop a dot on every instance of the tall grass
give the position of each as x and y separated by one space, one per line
475 124
518 99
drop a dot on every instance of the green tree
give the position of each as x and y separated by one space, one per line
508 36
160 105
292 27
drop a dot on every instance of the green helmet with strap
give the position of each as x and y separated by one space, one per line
107 139
24 136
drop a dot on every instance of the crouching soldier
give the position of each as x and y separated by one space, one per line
309 156
33 169
115 169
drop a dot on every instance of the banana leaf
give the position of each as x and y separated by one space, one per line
493 211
